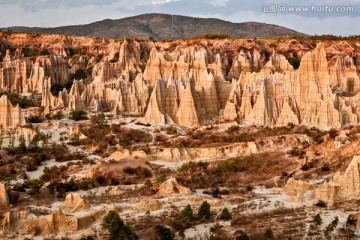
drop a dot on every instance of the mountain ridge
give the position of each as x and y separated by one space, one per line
157 26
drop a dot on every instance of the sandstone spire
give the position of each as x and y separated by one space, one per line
10 117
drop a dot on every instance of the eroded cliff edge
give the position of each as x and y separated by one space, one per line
270 82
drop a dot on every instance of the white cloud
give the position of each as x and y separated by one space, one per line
219 3
159 2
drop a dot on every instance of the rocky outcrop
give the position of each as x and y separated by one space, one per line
4 199
10 116
148 205
53 223
171 186
186 154
196 83
27 75
126 154
299 191
187 114
74 203
343 186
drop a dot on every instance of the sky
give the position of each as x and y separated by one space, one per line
311 16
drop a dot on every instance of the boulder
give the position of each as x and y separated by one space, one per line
74 203
148 205
171 186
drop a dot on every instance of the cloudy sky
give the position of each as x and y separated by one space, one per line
50 13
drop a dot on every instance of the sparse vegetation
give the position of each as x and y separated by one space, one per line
225 214
317 220
204 211
116 227
187 213
294 60
16 99
78 115
269 235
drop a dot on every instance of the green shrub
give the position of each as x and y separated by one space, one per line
34 184
116 227
164 233
30 52
22 144
331 227
225 214
294 60
242 236
98 119
15 99
78 115
55 89
269 235
351 221
317 220
44 51
211 36
204 211
187 213
35 119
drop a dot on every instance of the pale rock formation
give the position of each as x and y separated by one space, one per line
287 116
343 186
74 203
4 200
148 205
26 75
126 154
343 74
171 186
186 154
12 219
232 105
155 112
277 63
241 63
190 85
299 191
52 223
187 114
10 117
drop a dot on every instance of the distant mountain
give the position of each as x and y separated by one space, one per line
164 26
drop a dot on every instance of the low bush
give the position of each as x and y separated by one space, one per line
117 228
225 215
204 211
35 119
78 115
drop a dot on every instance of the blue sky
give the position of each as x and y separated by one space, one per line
50 13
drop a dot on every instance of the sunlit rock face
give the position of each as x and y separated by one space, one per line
10 116
343 186
191 83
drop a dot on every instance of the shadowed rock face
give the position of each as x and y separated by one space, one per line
192 83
